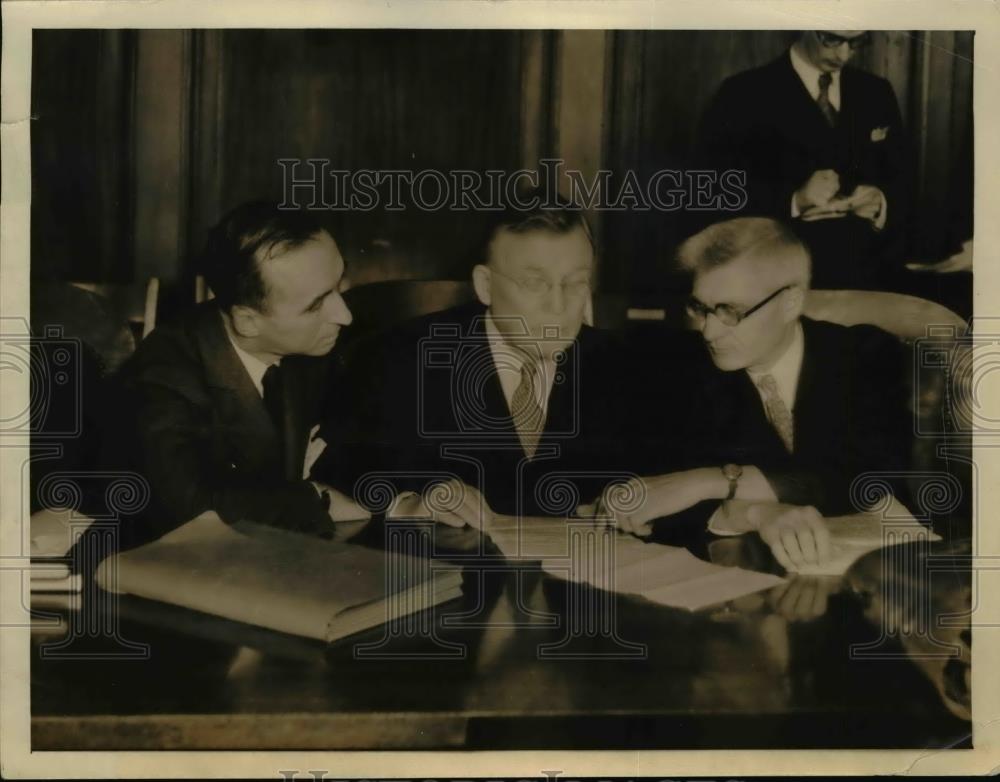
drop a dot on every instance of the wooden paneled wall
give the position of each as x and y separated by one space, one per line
142 139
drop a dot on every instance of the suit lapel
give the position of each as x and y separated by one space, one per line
305 383
805 115
244 422
564 398
809 389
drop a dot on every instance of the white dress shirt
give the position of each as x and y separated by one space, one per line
810 74
254 366
785 370
508 361
255 369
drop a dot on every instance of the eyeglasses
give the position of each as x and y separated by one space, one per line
536 285
728 314
834 41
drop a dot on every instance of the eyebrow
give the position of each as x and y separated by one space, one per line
542 269
318 299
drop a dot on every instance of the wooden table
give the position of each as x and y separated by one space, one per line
512 665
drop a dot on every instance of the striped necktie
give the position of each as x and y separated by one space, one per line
777 410
524 408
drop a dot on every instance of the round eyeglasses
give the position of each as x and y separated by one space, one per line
728 314
834 41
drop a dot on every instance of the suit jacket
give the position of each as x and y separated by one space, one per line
426 402
850 417
195 426
765 122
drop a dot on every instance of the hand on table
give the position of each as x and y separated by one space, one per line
341 507
450 502
634 505
795 534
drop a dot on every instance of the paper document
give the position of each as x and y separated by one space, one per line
580 550
53 532
278 579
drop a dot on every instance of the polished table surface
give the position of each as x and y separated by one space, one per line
876 658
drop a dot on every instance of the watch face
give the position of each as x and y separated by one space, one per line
732 471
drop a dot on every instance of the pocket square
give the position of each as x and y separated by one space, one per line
879 134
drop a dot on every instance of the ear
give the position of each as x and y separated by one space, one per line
482 281
795 302
244 320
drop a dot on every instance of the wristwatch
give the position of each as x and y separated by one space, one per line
732 473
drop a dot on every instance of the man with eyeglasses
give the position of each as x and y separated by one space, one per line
783 412
822 144
813 404
499 405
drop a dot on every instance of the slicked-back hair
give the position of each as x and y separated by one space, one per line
772 243
242 241
535 209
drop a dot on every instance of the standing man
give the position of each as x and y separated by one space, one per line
822 145
220 405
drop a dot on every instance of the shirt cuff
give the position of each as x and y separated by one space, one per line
391 512
879 222
721 524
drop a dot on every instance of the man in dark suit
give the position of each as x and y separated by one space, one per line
814 405
219 407
822 145
508 405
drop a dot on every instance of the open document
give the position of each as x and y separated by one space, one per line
588 552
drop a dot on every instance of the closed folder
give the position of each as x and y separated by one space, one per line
280 580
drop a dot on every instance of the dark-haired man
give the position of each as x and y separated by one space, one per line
221 404
822 145
511 400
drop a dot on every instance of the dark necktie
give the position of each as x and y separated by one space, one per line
823 101
274 397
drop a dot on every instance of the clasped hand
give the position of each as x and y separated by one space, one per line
817 199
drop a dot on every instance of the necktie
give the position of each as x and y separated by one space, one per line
274 397
823 101
526 411
777 411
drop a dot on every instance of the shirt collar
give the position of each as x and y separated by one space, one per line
785 370
809 74
253 365
509 361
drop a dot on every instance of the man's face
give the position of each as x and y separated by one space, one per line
830 50
539 282
755 341
304 310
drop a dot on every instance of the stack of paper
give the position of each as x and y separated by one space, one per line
581 551
277 579
53 533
